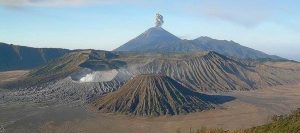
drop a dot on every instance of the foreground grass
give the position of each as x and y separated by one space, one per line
280 124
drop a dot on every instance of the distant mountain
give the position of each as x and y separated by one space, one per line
157 39
153 95
14 57
229 48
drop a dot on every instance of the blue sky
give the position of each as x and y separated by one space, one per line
272 26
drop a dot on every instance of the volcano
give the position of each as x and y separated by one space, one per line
154 95
156 39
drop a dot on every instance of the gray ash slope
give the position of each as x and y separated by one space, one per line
154 95
62 91
156 39
54 82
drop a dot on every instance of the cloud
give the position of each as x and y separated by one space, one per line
56 3
248 13
41 3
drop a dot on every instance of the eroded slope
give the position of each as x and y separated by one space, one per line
154 95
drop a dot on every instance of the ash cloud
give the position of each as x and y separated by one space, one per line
159 20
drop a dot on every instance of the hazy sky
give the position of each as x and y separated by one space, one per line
272 26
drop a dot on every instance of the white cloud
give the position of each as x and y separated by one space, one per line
56 3
32 3
248 13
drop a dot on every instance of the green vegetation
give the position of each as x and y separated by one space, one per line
280 124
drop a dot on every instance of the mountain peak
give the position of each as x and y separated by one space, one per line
158 33
154 39
203 38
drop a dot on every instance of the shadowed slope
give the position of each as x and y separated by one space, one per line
14 57
154 95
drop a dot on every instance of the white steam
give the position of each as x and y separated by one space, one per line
159 20
88 75
99 76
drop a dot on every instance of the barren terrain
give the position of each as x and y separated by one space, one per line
11 75
251 108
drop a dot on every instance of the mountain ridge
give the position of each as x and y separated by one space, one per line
230 48
153 40
198 71
14 57
157 39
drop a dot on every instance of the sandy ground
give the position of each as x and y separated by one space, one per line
12 75
249 109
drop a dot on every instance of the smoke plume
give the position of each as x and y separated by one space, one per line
159 20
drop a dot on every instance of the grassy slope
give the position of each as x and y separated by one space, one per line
280 124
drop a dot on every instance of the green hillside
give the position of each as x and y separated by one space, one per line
280 124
